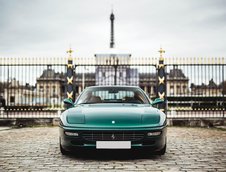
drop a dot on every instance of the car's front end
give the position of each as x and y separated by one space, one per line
113 126
151 138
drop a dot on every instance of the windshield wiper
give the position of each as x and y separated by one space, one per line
87 103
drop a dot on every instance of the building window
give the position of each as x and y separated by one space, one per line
100 74
184 89
41 87
54 89
178 89
124 74
171 90
12 99
63 89
148 89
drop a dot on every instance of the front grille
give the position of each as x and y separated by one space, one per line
113 136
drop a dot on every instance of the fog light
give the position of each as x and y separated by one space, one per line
155 133
68 133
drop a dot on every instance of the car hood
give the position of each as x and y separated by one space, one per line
111 116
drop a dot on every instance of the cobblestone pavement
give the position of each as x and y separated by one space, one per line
36 149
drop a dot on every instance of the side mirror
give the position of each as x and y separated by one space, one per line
68 103
157 101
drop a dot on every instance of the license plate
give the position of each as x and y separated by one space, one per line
113 145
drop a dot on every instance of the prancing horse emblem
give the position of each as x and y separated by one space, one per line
113 137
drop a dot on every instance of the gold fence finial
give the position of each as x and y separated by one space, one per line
70 51
161 51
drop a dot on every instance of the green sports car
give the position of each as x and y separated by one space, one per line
112 117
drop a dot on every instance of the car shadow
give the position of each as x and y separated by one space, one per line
112 155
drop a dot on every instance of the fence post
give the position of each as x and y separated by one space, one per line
70 76
223 91
162 81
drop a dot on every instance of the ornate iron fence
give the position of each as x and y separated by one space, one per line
196 87
35 87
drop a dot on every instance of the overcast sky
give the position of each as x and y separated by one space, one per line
184 28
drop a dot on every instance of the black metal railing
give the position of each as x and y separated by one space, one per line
30 87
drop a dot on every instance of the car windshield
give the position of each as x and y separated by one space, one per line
113 95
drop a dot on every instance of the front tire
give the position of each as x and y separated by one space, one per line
162 151
62 150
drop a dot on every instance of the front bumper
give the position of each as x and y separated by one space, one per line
154 143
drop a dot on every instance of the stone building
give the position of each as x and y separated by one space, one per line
210 89
148 82
177 83
50 88
16 94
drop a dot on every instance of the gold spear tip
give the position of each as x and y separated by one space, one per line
161 50
70 51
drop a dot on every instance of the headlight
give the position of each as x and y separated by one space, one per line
68 133
61 123
163 119
154 133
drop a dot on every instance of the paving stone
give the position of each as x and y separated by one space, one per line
188 149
